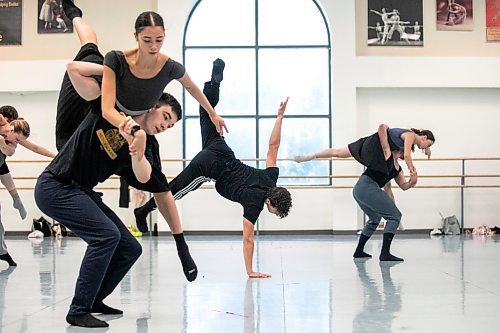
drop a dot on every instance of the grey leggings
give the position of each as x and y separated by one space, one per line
376 204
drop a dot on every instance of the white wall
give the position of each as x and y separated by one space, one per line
443 93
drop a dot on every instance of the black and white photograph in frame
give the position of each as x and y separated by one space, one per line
51 18
11 22
395 23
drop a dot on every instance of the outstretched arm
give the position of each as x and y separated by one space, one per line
36 148
17 203
199 96
80 73
248 245
275 138
374 11
112 115
403 183
409 139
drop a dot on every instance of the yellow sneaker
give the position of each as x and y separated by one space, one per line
133 230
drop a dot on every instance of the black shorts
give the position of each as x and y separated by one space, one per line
368 151
71 108
4 169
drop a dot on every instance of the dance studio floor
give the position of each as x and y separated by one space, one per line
446 284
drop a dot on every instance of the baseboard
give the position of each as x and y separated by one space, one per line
261 232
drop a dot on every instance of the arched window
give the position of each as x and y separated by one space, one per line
272 49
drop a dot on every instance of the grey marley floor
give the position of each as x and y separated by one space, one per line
446 284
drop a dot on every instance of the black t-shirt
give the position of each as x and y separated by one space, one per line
97 150
382 178
247 186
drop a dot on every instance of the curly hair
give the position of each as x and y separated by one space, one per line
9 112
281 199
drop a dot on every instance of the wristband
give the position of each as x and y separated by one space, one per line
134 129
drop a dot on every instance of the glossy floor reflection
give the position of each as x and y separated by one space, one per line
446 284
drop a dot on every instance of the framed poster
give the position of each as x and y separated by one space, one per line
51 18
11 22
395 23
454 15
493 20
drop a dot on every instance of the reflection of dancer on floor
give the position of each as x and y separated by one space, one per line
456 13
380 306
397 25
385 18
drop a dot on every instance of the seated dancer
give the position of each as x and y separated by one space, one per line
377 203
252 188
95 151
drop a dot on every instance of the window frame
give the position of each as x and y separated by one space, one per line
257 116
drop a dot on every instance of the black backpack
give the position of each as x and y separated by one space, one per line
42 225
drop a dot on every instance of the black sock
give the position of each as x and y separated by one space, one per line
217 71
385 254
188 265
8 259
85 320
104 309
71 10
360 253
141 214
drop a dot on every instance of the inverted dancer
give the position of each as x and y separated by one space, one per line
252 188
133 80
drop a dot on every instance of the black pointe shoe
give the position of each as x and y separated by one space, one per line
85 320
217 71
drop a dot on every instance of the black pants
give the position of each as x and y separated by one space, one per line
215 155
111 248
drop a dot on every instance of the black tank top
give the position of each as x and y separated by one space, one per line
382 178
